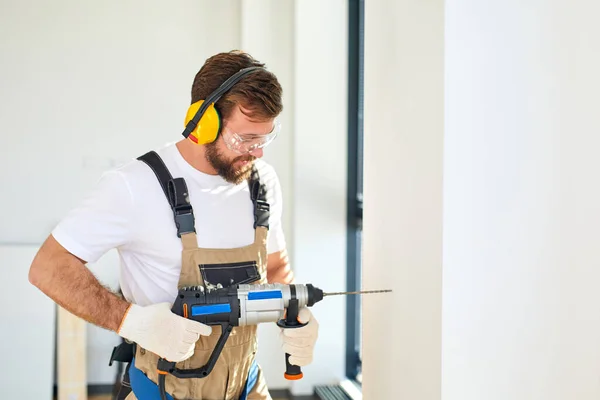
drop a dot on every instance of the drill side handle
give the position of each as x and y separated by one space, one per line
292 372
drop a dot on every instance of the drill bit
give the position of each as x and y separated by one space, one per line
358 292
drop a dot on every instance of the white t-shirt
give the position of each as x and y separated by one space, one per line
128 211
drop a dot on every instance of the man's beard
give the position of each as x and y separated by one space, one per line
225 168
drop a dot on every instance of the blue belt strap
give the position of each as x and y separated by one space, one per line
252 378
145 389
142 386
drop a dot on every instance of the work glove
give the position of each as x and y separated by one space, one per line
156 329
299 343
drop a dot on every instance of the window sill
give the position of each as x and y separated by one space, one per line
352 388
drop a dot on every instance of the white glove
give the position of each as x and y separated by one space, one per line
156 329
299 343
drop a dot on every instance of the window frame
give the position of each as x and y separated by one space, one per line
354 186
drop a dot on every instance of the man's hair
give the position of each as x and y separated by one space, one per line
258 92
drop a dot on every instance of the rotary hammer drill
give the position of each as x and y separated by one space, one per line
239 305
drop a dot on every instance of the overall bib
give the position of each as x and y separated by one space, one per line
236 375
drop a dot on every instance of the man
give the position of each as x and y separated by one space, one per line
172 232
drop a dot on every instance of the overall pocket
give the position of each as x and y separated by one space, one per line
228 274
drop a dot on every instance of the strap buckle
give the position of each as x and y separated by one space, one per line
124 352
262 210
184 219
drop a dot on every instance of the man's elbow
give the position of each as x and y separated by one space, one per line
36 271
39 268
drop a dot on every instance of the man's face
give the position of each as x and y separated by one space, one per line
233 166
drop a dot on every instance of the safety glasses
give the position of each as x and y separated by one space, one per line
247 142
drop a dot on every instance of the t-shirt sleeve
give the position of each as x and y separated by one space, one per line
101 222
276 239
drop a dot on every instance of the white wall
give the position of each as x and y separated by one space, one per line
402 231
320 175
513 314
89 84
521 214
86 86
27 334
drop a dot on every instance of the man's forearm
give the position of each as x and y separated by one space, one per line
67 281
278 268
283 275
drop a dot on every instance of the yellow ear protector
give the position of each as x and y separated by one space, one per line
203 121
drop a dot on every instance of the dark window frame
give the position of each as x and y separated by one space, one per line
355 186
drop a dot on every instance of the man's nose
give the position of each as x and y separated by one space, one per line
258 153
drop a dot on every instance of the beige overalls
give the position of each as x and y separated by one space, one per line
228 379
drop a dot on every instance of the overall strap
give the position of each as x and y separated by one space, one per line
176 192
258 194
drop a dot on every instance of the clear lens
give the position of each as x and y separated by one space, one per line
249 142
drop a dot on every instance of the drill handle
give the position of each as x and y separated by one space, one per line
168 367
292 372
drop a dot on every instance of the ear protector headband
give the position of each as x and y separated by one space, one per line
203 121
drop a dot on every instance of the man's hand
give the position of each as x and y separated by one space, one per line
299 343
157 329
